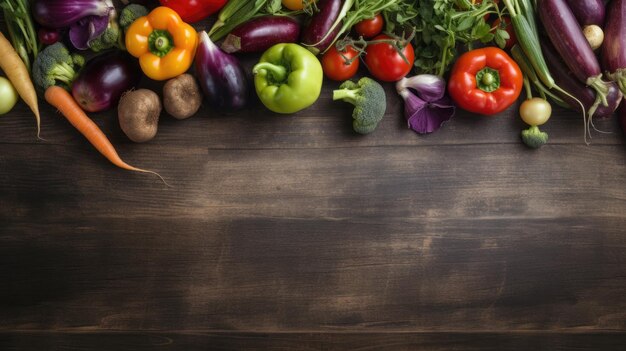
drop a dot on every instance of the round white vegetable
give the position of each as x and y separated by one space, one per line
594 35
8 96
535 111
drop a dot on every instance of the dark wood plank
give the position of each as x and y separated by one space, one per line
287 274
191 341
460 240
369 182
394 238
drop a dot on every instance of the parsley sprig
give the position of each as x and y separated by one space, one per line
443 27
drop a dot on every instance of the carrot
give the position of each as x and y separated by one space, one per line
16 71
65 103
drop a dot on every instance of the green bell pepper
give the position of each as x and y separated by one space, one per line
288 78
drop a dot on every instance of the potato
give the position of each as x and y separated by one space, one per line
182 97
138 113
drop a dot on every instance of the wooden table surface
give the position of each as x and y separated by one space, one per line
293 233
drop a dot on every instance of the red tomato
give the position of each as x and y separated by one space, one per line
508 27
196 10
384 62
370 28
335 66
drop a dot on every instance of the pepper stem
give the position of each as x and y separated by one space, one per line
488 80
160 42
275 73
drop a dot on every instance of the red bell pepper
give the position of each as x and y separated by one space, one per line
194 10
485 81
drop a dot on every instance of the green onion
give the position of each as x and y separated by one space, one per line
531 77
231 7
528 39
21 29
234 16
527 11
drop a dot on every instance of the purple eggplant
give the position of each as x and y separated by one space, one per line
63 13
221 76
567 37
564 78
104 79
588 12
614 47
262 33
318 34
621 114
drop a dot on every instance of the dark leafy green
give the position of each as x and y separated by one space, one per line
442 27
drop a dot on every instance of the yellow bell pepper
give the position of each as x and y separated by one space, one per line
164 44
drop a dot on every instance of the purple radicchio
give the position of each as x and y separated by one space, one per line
86 30
63 13
426 107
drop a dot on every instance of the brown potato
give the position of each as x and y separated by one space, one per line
182 97
138 113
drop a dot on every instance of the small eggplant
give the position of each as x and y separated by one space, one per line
588 12
614 47
262 33
318 34
104 79
564 78
567 37
621 114
221 76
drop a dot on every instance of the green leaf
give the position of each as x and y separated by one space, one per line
465 24
274 6
502 33
487 38
481 30
500 42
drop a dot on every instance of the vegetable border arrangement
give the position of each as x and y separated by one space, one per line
477 55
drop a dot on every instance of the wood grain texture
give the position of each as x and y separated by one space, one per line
192 341
398 238
293 233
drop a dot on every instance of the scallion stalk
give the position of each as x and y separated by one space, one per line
528 40
235 16
531 76
21 29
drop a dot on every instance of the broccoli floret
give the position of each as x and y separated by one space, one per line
56 66
534 138
130 14
368 98
78 60
110 38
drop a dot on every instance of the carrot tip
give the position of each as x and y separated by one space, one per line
162 179
155 173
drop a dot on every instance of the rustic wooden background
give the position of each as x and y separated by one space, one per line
293 233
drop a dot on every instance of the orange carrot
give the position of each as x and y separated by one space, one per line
16 70
65 103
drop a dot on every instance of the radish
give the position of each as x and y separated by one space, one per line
594 35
